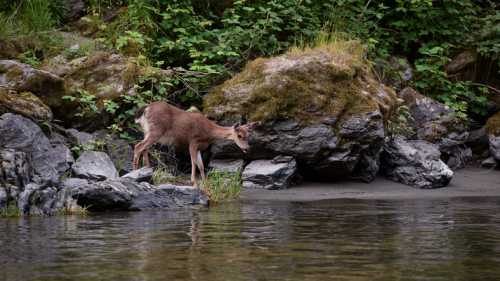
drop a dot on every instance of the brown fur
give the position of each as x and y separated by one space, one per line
167 124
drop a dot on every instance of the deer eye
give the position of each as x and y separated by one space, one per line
240 136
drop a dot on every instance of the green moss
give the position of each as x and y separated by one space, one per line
493 125
304 85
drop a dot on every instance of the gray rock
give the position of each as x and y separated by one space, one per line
437 123
351 151
39 200
15 168
80 138
489 163
495 146
73 9
47 161
227 165
3 197
478 141
126 194
270 174
415 162
23 200
139 175
119 150
94 165
73 183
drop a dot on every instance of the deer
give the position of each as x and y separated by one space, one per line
168 125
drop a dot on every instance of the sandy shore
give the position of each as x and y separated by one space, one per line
468 182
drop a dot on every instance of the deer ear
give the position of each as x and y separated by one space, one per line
236 126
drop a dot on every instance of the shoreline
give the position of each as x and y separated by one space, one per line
467 182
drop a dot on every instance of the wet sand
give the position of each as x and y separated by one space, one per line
468 182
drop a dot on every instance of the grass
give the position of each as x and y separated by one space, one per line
222 186
73 210
167 174
11 211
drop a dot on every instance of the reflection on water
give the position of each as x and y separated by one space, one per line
454 239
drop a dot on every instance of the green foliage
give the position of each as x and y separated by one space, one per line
222 186
399 123
86 102
432 80
10 211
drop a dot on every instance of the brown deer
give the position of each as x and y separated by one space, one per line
167 124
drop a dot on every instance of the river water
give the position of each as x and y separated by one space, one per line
451 239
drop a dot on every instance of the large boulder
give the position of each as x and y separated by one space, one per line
22 77
140 175
277 173
322 106
94 165
48 161
25 103
493 127
415 162
437 123
127 194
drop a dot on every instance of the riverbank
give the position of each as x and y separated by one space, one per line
468 182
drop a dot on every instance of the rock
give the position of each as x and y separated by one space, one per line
495 146
270 174
415 162
24 103
15 168
396 72
94 165
73 9
47 161
489 163
80 138
74 183
478 142
493 130
3 197
22 77
38 200
119 150
321 106
227 165
438 124
140 175
126 194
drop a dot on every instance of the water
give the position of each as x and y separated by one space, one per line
452 239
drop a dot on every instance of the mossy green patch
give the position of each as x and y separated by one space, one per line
304 84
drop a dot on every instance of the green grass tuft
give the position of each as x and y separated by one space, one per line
222 186
11 211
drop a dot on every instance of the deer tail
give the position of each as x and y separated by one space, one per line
139 113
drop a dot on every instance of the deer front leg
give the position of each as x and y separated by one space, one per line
199 163
192 154
145 157
137 155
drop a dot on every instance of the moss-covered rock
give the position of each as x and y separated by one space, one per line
322 106
305 85
24 103
22 77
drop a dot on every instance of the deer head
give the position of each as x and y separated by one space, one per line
241 134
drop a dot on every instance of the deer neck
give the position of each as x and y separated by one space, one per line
220 132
